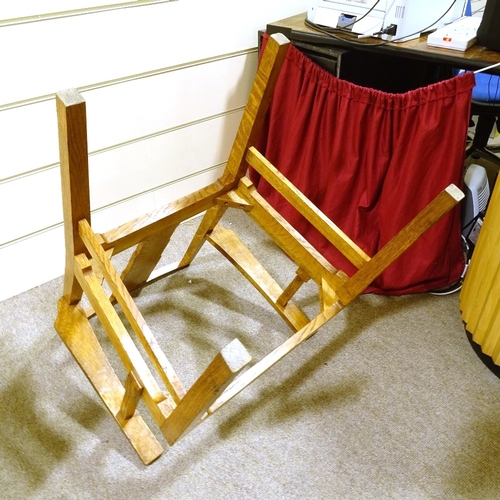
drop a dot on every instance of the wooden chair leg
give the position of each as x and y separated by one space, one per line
209 221
75 330
256 108
444 202
73 150
219 374
145 258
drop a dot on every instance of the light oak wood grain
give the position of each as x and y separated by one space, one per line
131 398
132 313
305 207
218 375
301 277
228 243
76 332
73 152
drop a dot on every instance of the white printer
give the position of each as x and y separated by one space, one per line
393 20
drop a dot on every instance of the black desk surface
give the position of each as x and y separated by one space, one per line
476 57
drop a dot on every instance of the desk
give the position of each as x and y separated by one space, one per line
476 57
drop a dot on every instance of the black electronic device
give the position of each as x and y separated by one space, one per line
488 33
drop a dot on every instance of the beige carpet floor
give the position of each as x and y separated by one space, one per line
387 401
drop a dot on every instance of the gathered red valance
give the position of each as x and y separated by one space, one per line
371 160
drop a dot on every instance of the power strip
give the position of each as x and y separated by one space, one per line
459 35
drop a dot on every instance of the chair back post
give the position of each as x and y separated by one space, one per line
73 151
255 112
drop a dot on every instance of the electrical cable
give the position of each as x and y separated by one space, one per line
471 223
356 20
332 32
423 30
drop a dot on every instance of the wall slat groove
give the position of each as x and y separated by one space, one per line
124 144
165 87
130 78
114 204
27 19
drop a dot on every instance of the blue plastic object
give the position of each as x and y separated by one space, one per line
487 88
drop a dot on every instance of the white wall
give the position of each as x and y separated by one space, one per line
165 86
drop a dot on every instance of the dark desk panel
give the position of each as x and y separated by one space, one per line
476 57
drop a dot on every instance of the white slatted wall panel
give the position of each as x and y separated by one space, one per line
165 86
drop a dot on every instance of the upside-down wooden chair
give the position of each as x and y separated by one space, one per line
175 409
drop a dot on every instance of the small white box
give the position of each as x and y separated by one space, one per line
459 35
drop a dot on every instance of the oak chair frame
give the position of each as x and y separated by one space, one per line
88 262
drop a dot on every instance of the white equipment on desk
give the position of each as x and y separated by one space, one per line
459 35
392 20
364 16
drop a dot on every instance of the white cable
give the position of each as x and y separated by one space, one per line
487 68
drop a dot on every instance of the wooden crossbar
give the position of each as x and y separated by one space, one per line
131 311
442 204
300 278
305 207
131 398
228 243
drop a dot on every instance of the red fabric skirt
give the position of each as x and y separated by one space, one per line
371 160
